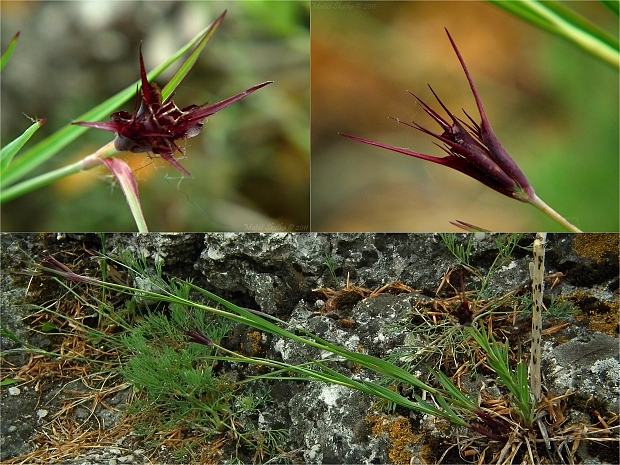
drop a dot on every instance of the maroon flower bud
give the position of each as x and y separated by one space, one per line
50 267
472 149
198 337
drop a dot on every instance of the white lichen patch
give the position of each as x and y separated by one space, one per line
331 393
510 266
282 348
215 254
380 337
608 370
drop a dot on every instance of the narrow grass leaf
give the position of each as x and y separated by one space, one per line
191 60
7 153
524 396
386 393
520 10
9 51
5 332
580 23
368 361
8 382
453 391
448 412
560 20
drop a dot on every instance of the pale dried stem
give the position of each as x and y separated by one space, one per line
551 213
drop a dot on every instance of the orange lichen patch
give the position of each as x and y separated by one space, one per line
248 341
596 246
599 315
255 339
400 436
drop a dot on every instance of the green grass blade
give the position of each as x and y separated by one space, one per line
524 12
8 382
9 51
448 412
578 21
50 146
454 393
7 153
32 184
612 5
5 332
368 361
525 400
327 375
392 396
50 177
559 20
191 60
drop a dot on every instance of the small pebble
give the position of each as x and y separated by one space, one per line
42 413
14 391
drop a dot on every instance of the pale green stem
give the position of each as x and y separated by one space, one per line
551 213
50 177
583 39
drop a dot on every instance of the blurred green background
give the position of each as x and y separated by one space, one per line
250 165
553 107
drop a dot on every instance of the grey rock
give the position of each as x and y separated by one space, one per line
588 365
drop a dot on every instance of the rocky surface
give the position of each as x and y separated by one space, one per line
279 274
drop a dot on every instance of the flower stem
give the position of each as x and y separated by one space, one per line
551 213
50 177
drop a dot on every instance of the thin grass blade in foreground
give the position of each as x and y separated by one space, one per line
9 51
10 150
560 20
475 151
